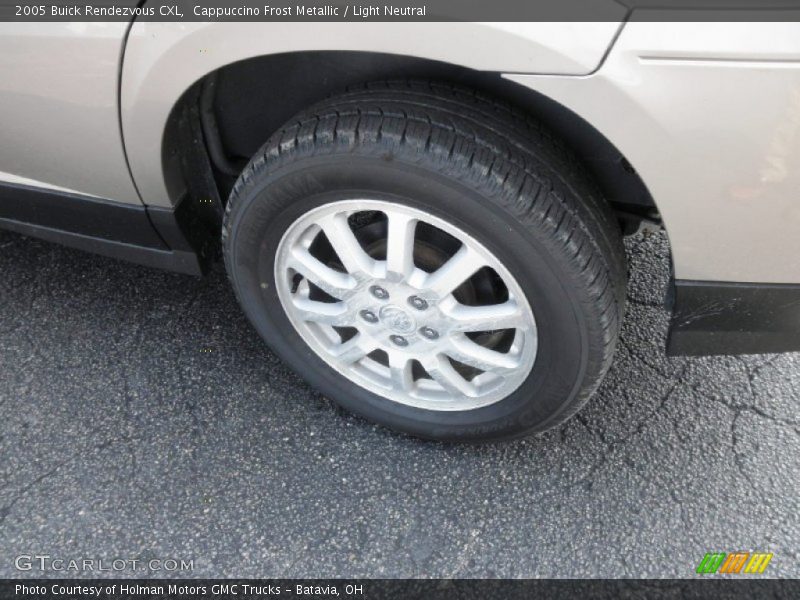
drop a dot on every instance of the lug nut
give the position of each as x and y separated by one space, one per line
369 316
379 292
398 340
429 333
418 303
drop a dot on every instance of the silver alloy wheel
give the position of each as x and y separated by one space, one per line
397 313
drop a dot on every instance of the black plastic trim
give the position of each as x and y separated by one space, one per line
122 231
734 318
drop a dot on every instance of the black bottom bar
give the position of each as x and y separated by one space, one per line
96 225
744 587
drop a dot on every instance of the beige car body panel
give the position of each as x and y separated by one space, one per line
708 113
60 111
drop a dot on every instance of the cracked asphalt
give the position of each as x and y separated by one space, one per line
142 417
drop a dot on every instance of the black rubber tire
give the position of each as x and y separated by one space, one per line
489 170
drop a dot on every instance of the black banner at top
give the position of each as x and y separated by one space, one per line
398 11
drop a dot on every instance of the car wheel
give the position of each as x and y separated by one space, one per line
429 259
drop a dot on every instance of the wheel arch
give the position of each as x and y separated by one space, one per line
237 123
162 62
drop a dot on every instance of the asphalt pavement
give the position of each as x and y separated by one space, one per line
141 417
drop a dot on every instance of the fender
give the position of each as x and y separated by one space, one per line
665 95
162 60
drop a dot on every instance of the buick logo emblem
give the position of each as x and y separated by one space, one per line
397 319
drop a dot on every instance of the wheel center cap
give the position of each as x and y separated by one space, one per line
397 319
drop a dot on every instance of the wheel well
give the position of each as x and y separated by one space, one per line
242 104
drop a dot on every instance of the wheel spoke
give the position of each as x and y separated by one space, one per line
454 272
400 244
507 315
344 242
329 313
328 280
352 350
466 351
400 369
451 380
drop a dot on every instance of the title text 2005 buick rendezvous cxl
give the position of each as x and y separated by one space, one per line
425 220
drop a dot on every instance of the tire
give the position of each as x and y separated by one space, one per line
481 173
